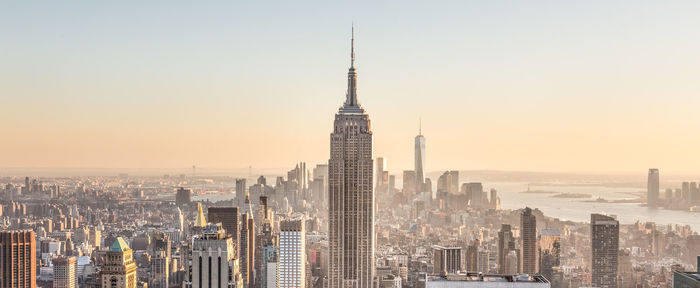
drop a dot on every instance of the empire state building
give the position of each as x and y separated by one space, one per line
351 198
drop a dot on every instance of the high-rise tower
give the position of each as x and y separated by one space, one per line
350 195
528 228
653 188
247 242
64 272
119 269
292 254
17 259
214 262
605 238
420 160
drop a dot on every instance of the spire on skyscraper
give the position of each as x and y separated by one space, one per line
351 238
420 127
352 47
351 106
200 221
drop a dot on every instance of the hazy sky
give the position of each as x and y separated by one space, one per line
508 85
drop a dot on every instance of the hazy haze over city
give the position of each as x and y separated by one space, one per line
533 86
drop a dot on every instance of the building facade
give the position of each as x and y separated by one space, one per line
447 259
528 230
653 188
466 280
228 217
18 256
291 268
247 245
64 272
214 262
119 270
382 175
506 245
351 196
419 157
605 235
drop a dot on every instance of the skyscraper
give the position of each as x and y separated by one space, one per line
409 182
240 191
17 259
160 260
292 255
119 270
214 263
475 193
320 184
266 244
447 259
64 272
653 188
183 197
506 244
351 197
472 256
419 157
228 217
549 250
449 182
605 235
528 227
381 175
160 269
247 242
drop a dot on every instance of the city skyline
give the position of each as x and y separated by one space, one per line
502 95
327 223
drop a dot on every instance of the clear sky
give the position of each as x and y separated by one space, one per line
508 85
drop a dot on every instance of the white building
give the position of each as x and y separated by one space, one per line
64 272
291 268
271 279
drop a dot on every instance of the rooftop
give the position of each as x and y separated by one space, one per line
473 279
119 245
691 275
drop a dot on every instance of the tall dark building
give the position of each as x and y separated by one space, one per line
605 236
26 185
265 242
506 244
17 259
653 188
472 257
160 242
228 217
351 197
475 193
240 191
549 251
419 157
528 232
447 259
183 197
247 241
